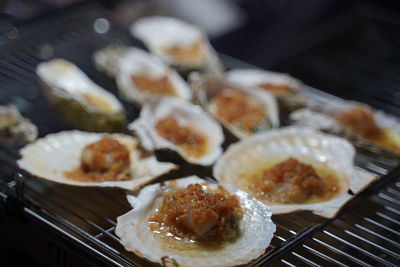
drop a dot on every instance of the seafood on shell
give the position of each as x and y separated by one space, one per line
60 157
178 43
245 163
77 99
255 227
186 128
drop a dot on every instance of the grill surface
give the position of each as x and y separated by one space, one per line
363 235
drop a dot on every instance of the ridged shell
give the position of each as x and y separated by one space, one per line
15 129
66 86
333 152
187 115
51 156
256 227
139 62
161 33
204 93
319 116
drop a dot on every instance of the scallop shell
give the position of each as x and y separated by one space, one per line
15 129
186 114
140 62
51 156
67 89
204 93
256 226
255 77
333 152
319 116
161 33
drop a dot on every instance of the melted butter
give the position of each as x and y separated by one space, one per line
253 174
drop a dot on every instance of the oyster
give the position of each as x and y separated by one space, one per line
169 122
77 99
107 59
138 230
15 129
293 169
177 43
285 88
372 130
91 159
241 110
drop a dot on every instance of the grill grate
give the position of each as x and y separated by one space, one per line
89 215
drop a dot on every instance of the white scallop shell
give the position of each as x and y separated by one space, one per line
203 96
255 77
186 114
137 61
333 152
160 33
50 156
256 227
67 81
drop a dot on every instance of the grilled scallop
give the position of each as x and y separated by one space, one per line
293 169
91 159
195 223
77 99
177 43
183 127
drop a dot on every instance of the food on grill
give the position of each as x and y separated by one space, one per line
78 100
141 75
293 169
107 59
369 129
15 129
195 223
241 110
183 127
92 159
288 90
177 43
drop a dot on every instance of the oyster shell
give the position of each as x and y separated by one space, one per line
319 150
255 226
107 59
177 43
15 129
257 110
380 132
201 135
288 90
141 75
50 157
77 99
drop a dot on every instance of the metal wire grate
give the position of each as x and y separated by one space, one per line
89 215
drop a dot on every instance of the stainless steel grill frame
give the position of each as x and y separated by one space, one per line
86 217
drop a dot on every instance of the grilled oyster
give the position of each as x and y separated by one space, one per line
91 159
293 169
234 228
285 88
172 123
371 130
77 99
15 129
177 43
241 110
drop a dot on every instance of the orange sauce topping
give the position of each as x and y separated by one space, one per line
293 182
189 54
237 108
196 214
158 86
193 143
276 89
104 160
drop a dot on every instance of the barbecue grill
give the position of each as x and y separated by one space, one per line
64 225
